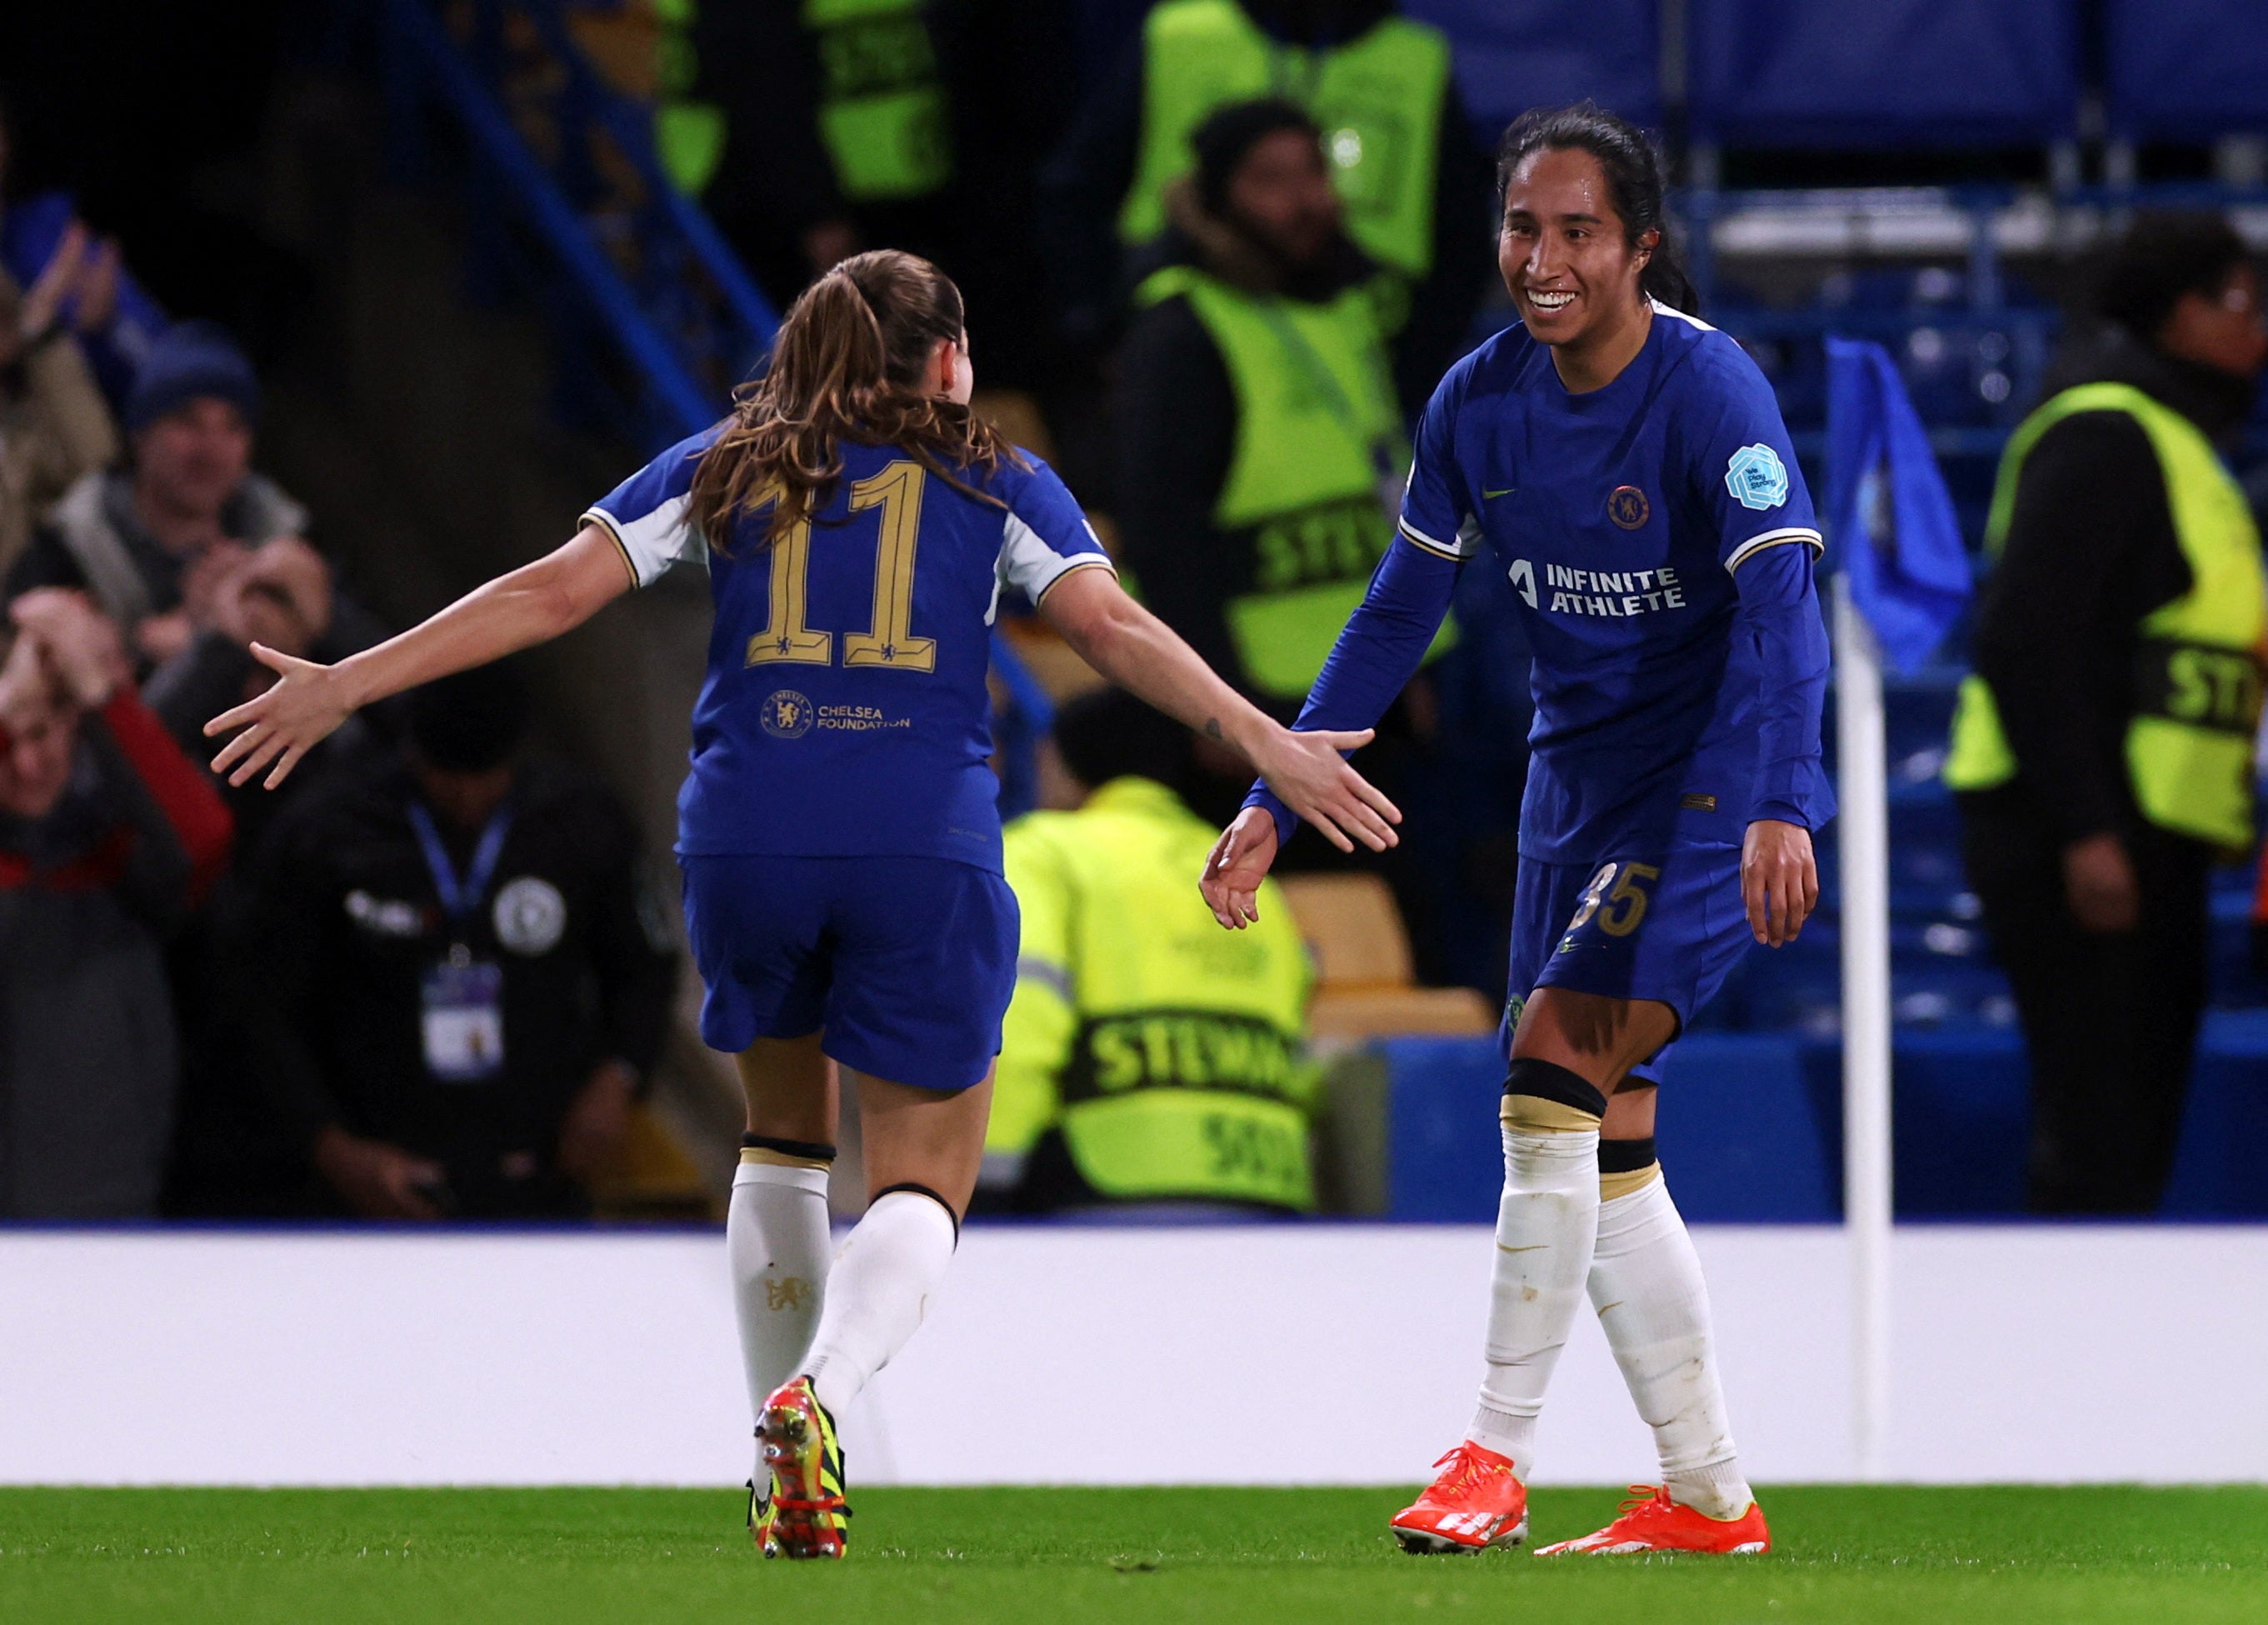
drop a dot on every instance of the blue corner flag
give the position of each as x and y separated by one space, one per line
1889 518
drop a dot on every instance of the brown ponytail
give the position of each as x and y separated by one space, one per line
848 363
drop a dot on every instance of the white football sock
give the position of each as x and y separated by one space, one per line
891 1264
1646 1284
1544 1228
775 1237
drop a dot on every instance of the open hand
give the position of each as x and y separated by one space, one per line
43 301
1309 774
97 300
378 1180
2099 884
596 1130
1779 880
301 709
1238 863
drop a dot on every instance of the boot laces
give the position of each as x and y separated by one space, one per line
1466 1468
1644 1502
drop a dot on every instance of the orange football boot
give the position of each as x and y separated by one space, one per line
1475 1501
1650 1521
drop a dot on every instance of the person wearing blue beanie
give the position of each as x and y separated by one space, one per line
192 360
185 546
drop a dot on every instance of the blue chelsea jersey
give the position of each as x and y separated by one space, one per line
845 712
1622 517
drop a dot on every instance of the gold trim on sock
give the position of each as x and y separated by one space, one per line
1614 1184
1533 1114
760 1156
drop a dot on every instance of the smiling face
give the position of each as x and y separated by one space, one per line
1572 274
190 461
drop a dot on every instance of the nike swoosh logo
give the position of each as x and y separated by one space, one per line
1506 492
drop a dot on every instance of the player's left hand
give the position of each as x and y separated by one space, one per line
1779 880
1234 869
1309 773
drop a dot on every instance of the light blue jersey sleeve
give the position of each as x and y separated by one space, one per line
645 514
1740 459
1044 536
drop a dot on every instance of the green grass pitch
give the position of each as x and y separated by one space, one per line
1063 1557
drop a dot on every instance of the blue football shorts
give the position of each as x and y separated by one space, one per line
1668 927
903 965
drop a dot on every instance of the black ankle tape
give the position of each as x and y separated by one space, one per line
1626 1155
810 1150
913 1189
1548 1080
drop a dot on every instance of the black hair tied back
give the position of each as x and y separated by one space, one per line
1634 182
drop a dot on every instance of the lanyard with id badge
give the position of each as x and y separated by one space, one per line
462 996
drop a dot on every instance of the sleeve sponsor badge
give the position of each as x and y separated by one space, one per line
1757 477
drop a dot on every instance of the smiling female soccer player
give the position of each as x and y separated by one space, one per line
838 832
1628 465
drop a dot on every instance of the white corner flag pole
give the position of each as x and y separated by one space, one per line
1864 843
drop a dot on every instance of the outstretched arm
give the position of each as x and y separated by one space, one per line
1142 654
1378 651
530 605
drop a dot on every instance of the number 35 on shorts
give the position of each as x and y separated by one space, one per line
1617 895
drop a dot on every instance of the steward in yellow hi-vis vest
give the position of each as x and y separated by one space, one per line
881 101
1259 439
1378 98
878 101
2198 657
1147 1056
2103 754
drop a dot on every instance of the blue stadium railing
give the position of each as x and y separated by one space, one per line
657 332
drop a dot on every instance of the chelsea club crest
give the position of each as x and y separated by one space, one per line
1628 507
786 715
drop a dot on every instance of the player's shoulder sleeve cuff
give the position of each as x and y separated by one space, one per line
605 521
1032 563
1464 545
649 544
1756 544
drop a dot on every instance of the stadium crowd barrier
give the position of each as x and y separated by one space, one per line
1297 1354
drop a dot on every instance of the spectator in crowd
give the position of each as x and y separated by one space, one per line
107 835
1260 451
53 425
457 984
2103 751
231 1156
1146 1059
157 543
104 308
1414 184
813 131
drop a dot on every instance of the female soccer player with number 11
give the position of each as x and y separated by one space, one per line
838 832
1628 465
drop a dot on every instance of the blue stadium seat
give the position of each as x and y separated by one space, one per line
1926 73
1513 54
2186 69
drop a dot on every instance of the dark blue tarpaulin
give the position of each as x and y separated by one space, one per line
2186 70
1935 73
1513 54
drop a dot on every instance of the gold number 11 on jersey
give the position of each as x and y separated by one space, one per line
888 642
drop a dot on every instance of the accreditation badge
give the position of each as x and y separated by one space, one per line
463 999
